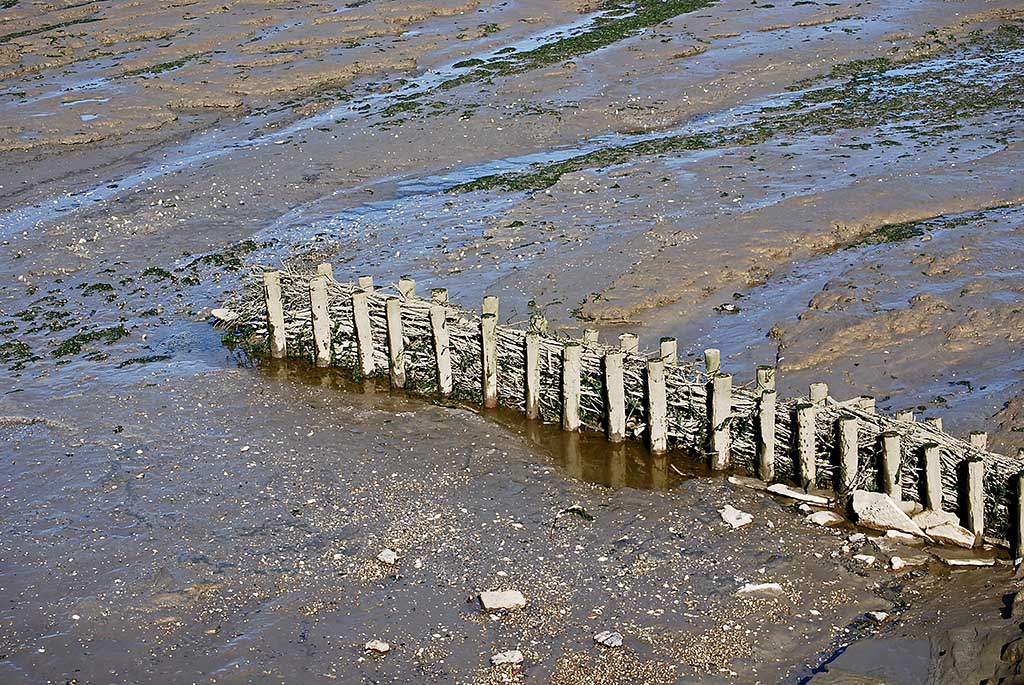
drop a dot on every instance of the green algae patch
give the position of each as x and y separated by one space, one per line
76 343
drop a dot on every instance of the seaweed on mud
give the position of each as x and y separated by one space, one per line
156 69
144 360
75 343
49 27
16 351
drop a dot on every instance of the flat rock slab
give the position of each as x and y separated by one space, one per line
513 657
734 517
761 590
825 518
877 511
783 490
498 600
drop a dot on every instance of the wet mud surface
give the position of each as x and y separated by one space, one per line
831 187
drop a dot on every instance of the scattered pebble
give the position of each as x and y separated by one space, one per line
502 599
734 517
388 556
510 657
608 638
378 647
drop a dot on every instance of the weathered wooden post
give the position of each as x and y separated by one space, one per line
972 489
766 423
712 361
932 477
275 314
396 344
818 393
442 352
321 320
657 407
489 360
979 440
721 417
366 284
490 305
532 381
590 336
935 422
364 335
867 404
1016 509
615 396
325 269
905 416
849 455
571 370
807 467
538 323
669 351
892 457
407 287
439 296
629 343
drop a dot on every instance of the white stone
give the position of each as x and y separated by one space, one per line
378 646
513 656
876 510
952 534
877 616
608 638
897 563
968 562
931 519
903 537
865 559
783 490
388 556
734 517
909 507
857 537
502 599
825 518
761 589
225 315
748 482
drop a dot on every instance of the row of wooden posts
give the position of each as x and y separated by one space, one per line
720 389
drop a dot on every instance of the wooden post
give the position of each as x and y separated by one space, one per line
439 296
321 320
935 422
1016 510
766 423
325 269
407 287
396 344
490 306
849 455
366 283
629 342
275 314
818 393
590 336
972 489
669 351
442 352
721 415
932 480
892 457
712 361
807 467
657 407
538 323
489 361
904 416
364 336
615 396
867 404
532 390
979 440
571 370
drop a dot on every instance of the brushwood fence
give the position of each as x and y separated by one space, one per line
429 346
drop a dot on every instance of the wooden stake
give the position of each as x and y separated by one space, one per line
571 371
935 422
818 393
721 415
439 296
712 361
538 323
807 466
629 343
275 314
321 320
532 390
669 351
972 488
657 407
892 457
849 455
979 440
932 480
489 361
1017 516
905 416
765 378
491 305
442 352
407 287
366 284
396 344
867 404
325 269
590 336
364 335
615 396
766 435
